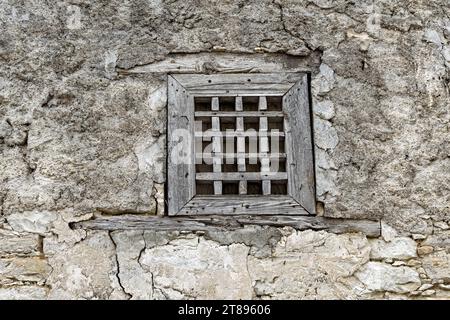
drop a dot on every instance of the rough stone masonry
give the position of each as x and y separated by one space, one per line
82 134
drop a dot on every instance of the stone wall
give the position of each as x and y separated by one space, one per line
82 134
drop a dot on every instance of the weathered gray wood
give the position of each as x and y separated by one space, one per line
231 134
262 103
181 162
266 184
242 204
198 142
240 148
238 84
297 127
222 62
264 145
237 176
215 104
254 114
236 80
244 155
207 223
243 93
217 145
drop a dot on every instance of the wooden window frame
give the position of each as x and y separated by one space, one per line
181 177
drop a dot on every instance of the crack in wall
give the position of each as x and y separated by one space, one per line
252 283
117 274
2 201
141 252
285 29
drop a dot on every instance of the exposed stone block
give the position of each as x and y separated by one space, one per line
436 265
32 221
26 292
377 276
398 248
14 243
15 271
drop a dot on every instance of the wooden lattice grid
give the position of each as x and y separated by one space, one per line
239 108
230 158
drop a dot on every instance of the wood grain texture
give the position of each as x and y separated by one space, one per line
244 155
264 145
297 125
232 134
238 84
237 176
222 62
229 114
242 204
207 223
180 147
216 145
298 143
240 148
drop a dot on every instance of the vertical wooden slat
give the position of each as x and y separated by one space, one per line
217 145
298 144
240 146
264 145
198 144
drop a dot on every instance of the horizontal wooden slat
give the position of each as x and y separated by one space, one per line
245 155
277 114
206 223
242 204
238 84
236 176
232 134
241 93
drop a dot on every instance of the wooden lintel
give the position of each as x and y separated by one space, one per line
215 222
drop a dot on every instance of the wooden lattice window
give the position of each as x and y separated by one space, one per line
239 144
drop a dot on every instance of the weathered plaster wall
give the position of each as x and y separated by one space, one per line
82 132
